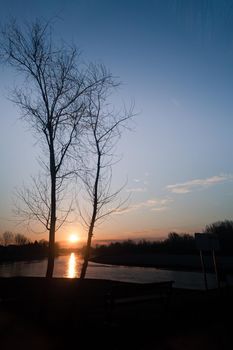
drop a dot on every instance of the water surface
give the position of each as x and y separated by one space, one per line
70 266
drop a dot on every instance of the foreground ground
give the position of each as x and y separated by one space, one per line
62 313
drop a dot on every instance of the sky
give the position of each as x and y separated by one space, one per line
175 61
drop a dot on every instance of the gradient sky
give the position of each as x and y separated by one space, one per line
175 59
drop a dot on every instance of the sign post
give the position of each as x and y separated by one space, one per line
216 268
203 270
208 242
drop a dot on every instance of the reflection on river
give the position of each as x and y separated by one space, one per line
70 266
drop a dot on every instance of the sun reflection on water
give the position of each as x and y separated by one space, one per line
72 266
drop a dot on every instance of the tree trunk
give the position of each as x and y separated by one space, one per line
94 214
52 230
87 252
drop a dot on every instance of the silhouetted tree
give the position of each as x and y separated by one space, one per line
224 231
20 239
53 101
104 130
7 238
173 237
174 244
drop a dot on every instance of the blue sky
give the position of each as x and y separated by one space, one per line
175 61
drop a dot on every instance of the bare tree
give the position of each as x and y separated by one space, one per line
7 238
32 204
105 129
53 101
21 239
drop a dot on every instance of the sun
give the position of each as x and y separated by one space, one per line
73 238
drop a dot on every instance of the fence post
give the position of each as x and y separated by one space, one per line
203 269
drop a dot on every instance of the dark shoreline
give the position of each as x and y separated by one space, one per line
166 261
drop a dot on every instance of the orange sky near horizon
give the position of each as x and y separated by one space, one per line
103 237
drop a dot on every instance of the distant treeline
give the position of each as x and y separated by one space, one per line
18 247
174 244
15 247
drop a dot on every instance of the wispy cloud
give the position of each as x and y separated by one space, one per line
136 189
160 208
199 184
160 204
125 210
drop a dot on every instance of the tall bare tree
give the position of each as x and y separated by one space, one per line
105 128
54 101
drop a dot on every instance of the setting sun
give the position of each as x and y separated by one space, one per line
73 238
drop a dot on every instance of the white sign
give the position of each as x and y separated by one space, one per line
206 241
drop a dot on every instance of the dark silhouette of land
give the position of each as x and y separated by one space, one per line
60 313
57 313
178 251
28 251
52 314
174 244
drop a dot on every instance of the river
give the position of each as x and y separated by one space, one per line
69 266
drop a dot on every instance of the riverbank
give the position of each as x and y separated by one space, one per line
167 261
61 313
